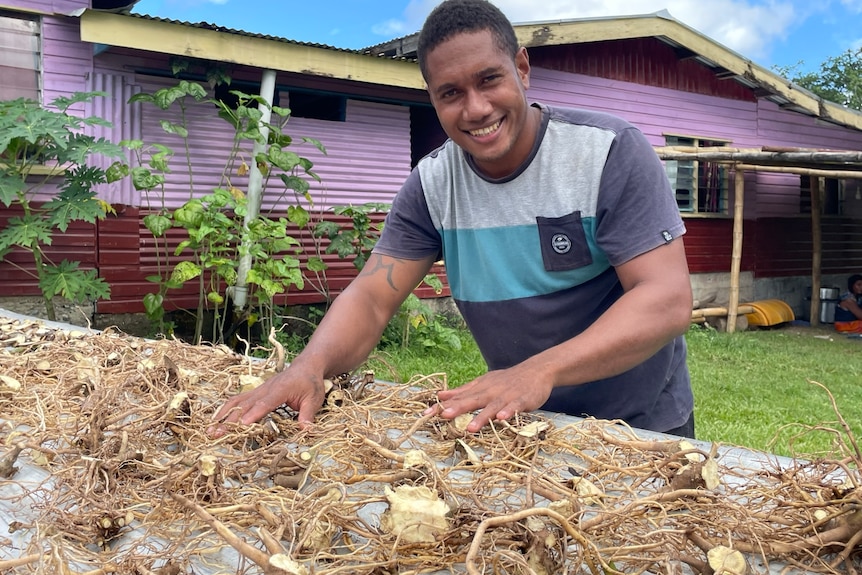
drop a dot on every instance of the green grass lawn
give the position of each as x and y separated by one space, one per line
751 389
755 388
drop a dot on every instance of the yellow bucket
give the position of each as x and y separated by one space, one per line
769 312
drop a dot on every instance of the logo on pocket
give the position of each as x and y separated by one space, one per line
561 243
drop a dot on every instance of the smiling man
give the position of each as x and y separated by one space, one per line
562 243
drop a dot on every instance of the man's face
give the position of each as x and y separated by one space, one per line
479 95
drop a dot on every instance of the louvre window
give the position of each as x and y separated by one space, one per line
700 187
19 57
831 196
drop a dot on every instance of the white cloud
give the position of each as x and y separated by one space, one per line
393 28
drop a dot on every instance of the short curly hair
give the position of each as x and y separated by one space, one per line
454 17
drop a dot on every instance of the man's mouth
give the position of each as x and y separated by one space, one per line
485 131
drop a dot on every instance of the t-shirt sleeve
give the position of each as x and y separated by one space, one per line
636 210
408 232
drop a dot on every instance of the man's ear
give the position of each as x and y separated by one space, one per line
522 64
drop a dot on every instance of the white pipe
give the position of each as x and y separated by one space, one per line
255 186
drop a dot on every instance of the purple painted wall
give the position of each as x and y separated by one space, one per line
660 111
66 61
49 6
367 159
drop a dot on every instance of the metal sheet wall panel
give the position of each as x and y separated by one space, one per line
67 62
659 111
18 269
645 61
49 6
125 125
367 156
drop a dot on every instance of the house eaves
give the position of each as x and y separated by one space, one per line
208 42
723 61
689 43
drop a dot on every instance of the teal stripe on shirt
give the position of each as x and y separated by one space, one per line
487 256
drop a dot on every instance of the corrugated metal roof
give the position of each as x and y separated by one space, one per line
238 32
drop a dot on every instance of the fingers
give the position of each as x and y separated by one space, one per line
242 409
496 396
451 405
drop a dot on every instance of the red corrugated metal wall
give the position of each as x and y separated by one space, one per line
773 247
18 270
123 252
645 61
127 255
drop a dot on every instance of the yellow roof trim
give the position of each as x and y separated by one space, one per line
184 40
24 10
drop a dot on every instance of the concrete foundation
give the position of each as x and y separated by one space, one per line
794 290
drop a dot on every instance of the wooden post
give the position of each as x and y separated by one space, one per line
736 255
816 250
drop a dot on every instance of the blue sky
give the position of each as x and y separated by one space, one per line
769 32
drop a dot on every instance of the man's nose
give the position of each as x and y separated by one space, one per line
477 105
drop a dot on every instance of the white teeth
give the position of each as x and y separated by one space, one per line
485 131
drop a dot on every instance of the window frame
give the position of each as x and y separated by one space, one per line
38 54
828 206
695 203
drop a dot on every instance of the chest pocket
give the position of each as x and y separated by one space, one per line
564 243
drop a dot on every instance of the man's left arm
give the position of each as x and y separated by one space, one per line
655 308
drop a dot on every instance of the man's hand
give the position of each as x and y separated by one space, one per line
301 392
498 395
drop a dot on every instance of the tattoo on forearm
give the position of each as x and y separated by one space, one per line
375 264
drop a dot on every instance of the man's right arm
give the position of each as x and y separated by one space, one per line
347 334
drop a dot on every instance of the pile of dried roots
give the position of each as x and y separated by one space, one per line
106 467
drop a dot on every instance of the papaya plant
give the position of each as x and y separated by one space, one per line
355 241
44 171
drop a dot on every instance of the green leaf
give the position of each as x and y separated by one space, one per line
433 281
143 179
316 264
142 97
279 111
326 229
68 281
12 188
297 215
158 224
190 215
153 305
172 128
286 161
182 246
27 232
63 103
295 183
154 279
316 143
76 200
184 271
132 144
116 172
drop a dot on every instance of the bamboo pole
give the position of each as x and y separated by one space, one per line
759 156
803 171
816 251
736 255
720 311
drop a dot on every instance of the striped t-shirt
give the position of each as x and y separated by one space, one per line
530 257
